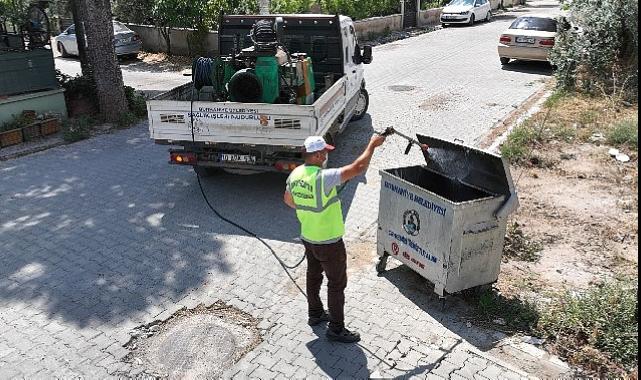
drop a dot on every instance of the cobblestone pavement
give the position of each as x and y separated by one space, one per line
100 236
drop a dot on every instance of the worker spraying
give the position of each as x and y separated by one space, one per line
312 192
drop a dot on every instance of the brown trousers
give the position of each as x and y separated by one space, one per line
331 259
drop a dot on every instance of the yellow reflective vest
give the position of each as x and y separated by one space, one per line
320 214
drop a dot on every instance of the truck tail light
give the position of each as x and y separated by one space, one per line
183 158
547 42
283 166
505 39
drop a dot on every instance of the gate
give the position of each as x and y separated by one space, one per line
410 13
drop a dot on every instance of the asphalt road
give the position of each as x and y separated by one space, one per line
100 236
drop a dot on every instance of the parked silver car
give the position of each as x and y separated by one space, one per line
126 41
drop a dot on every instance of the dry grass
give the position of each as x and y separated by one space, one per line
569 119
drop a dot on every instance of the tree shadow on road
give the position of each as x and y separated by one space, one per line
104 230
92 234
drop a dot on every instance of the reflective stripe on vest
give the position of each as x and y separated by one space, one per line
320 214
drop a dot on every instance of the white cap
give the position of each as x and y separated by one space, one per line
316 144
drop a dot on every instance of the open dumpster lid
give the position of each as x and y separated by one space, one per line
469 165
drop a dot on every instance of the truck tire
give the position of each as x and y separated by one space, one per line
204 172
62 50
361 105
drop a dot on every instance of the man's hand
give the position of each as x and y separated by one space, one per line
377 140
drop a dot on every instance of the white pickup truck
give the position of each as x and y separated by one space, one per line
259 137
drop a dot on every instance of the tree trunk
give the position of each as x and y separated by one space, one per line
79 15
166 34
102 57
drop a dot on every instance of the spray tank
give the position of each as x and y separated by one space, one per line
263 73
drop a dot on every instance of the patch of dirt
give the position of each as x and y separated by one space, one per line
157 62
361 256
437 102
585 211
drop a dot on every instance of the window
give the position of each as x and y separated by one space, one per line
71 29
119 27
540 24
462 2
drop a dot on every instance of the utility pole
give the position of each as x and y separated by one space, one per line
263 7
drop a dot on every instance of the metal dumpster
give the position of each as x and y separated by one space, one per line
447 219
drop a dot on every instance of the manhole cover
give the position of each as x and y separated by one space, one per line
198 343
400 88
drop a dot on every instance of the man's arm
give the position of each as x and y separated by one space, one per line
289 200
360 165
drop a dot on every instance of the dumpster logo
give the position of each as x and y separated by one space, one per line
411 222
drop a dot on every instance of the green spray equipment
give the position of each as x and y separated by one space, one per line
263 73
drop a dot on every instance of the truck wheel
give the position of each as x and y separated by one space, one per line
361 105
204 172
62 50
504 60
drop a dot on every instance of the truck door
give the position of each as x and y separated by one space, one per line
354 71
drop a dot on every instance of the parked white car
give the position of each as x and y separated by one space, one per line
466 12
529 38
126 41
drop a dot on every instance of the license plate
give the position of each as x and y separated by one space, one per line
448 17
525 40
238 158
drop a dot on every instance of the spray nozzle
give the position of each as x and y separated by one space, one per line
390 130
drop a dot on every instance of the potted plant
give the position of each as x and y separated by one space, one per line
49 126
31 129
11 132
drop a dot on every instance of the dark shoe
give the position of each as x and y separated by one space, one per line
343 336
314 321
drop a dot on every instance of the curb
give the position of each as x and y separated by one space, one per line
31 150
502 128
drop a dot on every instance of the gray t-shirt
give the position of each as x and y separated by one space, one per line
331 179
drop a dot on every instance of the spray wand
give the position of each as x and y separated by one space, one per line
390 130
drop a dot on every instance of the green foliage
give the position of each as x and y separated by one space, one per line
133 11
78 86
602 55
625 133
355 9
555 98
126 120
13 11
77 129
136 101
518 315
15 123
430 4
517 145
604 318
